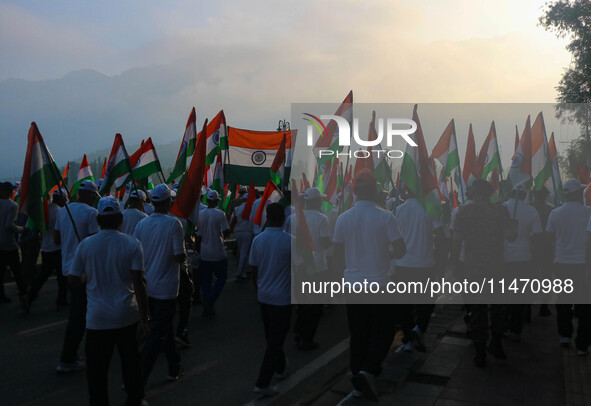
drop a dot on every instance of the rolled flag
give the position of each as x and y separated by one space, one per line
272 194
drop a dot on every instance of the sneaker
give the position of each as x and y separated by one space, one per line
407 346
565 341
176 374
266 391
367 383
183 340
582 353
67 367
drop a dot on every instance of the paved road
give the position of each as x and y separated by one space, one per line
220 368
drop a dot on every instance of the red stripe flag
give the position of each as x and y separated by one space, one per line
470 157
190 187
252 196
272 194
104 168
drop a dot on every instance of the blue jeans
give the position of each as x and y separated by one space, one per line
219 269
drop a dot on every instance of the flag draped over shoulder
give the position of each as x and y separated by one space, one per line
187 147
118 167
417 174
40 175
328 139
251 154
84 173
541 164
189 191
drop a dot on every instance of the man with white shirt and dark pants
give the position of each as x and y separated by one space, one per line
243 233
117 314
362 238
162 240
270 260
212 227
568 226
134 212
309 315
83 215
420 232
518 254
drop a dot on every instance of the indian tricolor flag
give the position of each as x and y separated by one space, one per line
488 159
446 152
118 167
329 139
521 166
541 164
84 173
217 139
187 147
272 194
554 184
40 175
251 154
278 166
147 162
470 157
417 174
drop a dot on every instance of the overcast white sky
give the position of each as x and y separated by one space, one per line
254 57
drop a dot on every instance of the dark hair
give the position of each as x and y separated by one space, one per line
109 221
6 188
481 189
275 214
163 206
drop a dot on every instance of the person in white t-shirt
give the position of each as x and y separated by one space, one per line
420 233
362 238
243 233
517 254
309 315
83 215
117 314
212 228
568 226
256 229
270 260
162 240
134 212
51 254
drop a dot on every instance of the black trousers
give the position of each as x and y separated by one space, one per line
307 320
10 259
479 321
76 325
564 318
516 312
161 337
51 262
185 300
100 345
276 320
371 327
30 253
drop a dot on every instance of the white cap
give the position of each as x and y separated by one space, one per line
213 195
572 185
61 191
108 206
160 193
313 193
242 189
173 194
138 194
89 186
204 190
520 188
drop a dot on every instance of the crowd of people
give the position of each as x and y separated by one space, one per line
129 272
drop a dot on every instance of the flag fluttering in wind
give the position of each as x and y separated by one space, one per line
84 173
40 175
446 152
520 171
64 178
272 194
541 164
104 170
145 161
489 158
328 139
330 184
251 154
417 174
217 138
189 191
187 147
118 167
218 177
554 185
278 166
470 158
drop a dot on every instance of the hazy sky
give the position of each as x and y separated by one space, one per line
254 57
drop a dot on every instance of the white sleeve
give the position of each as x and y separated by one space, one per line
392 229
339 231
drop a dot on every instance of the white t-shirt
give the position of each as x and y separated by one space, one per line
85 219
319 228
242 225
212 223
162 238
367 232
130 219
47 242
569 223
271 253
107 260
528 223
416 227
